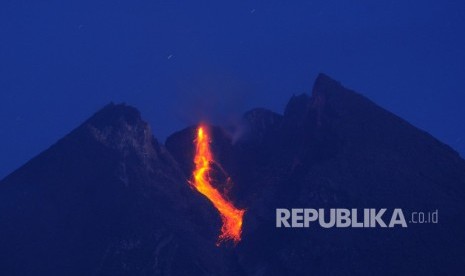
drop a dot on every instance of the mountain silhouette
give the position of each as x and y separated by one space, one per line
109 199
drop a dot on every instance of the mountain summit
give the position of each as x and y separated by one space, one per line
109 199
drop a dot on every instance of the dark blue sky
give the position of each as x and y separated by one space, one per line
60 61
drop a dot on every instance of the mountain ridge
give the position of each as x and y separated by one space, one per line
109 199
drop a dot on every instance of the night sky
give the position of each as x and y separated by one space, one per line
60 61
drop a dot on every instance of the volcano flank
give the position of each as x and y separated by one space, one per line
109 199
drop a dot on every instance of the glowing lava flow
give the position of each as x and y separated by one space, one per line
230 215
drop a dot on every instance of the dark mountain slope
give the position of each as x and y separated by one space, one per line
107 199
337 149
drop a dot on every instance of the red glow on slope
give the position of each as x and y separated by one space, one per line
230 215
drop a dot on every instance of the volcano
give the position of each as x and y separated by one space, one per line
109 199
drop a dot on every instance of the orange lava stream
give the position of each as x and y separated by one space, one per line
230 215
